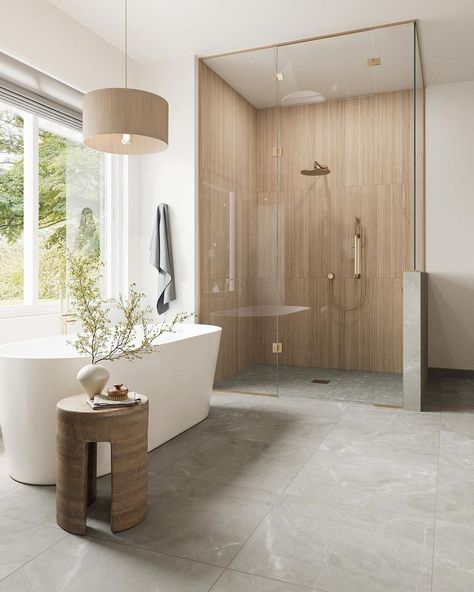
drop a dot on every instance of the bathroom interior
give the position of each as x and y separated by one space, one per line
311 208
286 190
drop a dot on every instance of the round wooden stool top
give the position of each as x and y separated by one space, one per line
79 428
79 404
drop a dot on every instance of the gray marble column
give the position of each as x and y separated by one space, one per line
415 338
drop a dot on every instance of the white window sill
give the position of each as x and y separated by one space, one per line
29 310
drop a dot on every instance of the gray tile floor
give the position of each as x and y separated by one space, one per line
295 381
274 495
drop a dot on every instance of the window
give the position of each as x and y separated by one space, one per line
55 198
11 206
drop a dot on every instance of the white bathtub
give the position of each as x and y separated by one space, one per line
35 374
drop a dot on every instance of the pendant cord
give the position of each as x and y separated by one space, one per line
126 42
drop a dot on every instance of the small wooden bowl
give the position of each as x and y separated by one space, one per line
117 393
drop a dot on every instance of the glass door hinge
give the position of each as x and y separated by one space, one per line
277 348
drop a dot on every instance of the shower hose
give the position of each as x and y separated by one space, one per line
340 307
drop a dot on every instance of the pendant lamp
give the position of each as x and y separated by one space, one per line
125 120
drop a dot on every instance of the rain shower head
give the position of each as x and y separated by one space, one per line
317 170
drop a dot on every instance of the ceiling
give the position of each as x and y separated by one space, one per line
162 29
323 69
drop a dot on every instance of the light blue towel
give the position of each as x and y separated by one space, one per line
161 257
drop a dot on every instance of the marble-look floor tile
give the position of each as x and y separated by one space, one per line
22 541
432 403
249 463
31 503
79 564
340 549
455 492
456 477
241 400
388 389
222 416
305 410
7 484
458 402
458 385
459 423
391 420
371 483
280 429
370 435
456 448
296 382
192 518
453 569
170 451
235 581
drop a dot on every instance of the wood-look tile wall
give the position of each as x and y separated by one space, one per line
368 144
227 198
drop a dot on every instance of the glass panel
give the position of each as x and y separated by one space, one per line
328 222
345 104
11 206
70 198
238 216
419 158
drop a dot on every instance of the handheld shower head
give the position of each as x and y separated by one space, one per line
317 170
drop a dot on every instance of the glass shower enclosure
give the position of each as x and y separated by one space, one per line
311 208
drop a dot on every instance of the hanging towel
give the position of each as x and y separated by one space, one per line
161 257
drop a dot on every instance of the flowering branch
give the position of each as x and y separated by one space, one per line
100 339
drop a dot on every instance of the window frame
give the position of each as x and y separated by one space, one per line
115 211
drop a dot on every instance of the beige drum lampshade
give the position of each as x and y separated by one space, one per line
125 121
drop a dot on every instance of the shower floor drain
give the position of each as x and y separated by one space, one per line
320 381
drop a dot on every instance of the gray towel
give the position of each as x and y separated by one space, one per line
161 257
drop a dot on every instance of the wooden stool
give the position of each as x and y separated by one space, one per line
79 428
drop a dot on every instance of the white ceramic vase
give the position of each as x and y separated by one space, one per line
93 379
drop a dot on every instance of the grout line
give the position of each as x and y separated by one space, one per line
35 557
160 471
212 436
436 496
122 543
225 483
216 582
279 498
51 527
304 588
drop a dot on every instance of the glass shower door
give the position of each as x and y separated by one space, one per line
238 217
327 201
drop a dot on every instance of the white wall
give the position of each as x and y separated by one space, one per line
41 35
170 177
450 224
46 38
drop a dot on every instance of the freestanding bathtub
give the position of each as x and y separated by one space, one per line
35 375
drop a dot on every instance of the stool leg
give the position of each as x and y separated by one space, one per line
71 487
91 472
129 483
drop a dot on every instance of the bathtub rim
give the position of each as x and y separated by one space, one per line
178 335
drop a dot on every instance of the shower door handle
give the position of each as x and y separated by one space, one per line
357 255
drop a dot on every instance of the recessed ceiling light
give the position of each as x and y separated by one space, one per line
302 97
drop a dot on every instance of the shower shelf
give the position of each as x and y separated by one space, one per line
261 310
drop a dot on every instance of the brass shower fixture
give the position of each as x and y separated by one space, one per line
357 246
317 170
